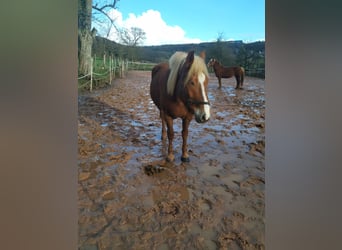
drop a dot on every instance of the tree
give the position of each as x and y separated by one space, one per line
249 58
221 51
85 36
243 57
85 33
133 36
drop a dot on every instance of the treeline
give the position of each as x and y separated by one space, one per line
249 55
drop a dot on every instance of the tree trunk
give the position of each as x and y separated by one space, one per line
85 42
85 36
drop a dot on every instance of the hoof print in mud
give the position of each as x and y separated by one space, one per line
168 208
151 170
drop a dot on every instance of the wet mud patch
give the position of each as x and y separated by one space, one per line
129 197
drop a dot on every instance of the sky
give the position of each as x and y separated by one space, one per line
191 21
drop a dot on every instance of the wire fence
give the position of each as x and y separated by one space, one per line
105 69
257 72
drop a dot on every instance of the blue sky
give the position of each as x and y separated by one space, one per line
190 21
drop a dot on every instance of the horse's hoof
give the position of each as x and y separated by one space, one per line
170 158
185 159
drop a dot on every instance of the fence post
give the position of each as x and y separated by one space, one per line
113 67
110 70
120 67
123 68
91 74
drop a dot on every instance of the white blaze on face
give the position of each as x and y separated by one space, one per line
201 79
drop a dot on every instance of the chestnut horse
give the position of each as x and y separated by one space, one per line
227 72
179 90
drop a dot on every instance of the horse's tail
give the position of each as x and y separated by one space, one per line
242 75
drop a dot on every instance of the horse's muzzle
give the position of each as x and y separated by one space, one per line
201 117
202 113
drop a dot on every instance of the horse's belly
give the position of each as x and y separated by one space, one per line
226 75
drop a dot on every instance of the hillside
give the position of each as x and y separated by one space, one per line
229 53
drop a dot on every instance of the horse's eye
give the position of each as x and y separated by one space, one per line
192 83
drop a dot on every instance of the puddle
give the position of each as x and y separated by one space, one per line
136 124
130 197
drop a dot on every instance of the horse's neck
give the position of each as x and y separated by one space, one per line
217 68
179 93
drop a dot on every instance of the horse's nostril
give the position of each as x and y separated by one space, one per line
204 118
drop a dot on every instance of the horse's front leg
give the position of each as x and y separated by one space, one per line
163 132
219 80
185 131
170 134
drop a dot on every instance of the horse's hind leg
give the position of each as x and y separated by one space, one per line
237 77
242 76
241 81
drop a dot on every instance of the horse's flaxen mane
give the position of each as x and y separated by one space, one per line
176 61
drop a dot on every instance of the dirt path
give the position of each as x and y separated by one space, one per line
130 198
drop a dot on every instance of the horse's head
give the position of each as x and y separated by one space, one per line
211 62
195 75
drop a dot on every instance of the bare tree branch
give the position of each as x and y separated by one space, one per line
132 36
101 9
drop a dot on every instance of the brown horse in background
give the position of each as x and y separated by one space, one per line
227 72
179 90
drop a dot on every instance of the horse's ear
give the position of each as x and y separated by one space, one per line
190 59
202 54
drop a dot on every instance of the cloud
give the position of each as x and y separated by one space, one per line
157 30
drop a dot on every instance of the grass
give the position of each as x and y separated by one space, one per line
101 75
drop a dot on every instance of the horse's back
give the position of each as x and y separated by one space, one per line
228 72
159 75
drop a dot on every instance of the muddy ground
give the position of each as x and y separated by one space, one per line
130 198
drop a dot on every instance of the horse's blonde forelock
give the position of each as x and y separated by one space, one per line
176 61
198 66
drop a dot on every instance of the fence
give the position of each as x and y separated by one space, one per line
105 70
140 66
260 72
